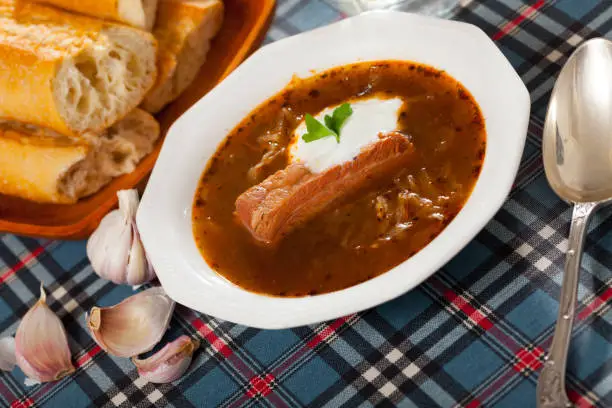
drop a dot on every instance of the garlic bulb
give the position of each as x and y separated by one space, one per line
133 326
7 354
41 345
169 363
115 250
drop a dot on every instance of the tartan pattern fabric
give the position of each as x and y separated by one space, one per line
474 335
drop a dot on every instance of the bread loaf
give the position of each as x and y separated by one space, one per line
70 73
40 165
138 13
183 30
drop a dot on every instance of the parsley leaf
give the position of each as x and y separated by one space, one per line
316 130
333 124
329 123
339 116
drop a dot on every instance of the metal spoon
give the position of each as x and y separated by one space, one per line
577 152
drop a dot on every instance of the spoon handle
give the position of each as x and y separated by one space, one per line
551 385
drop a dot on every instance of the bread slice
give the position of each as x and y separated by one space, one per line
68 72
138 13
41 165
183 30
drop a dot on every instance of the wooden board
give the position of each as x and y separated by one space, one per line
244 28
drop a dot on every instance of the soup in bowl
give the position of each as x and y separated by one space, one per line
339 203
334 170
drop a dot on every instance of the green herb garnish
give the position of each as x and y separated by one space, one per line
333 124
316 130
338 117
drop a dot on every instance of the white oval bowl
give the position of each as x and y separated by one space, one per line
462 50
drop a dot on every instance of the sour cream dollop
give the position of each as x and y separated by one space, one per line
369 118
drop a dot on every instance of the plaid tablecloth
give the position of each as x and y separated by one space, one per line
473 335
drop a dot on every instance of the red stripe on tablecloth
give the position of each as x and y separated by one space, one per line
263 385
22 404
260 385
529 359
208 333
474 404
87 357
595 304
579 400
510 25
327 332
22 262
461 303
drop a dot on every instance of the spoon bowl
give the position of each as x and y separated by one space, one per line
577 139
577 153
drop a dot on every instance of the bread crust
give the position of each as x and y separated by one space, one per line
39 165
183 30
112 10
30 167
35 42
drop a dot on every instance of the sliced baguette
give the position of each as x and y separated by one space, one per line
70 73
183 30
138 13
40 165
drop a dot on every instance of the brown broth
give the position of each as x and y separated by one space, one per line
376 231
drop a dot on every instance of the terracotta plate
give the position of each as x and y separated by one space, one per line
246 22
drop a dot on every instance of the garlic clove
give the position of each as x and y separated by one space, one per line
133 326
7 354
138 269
41 344
108 248
169 363
115 249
